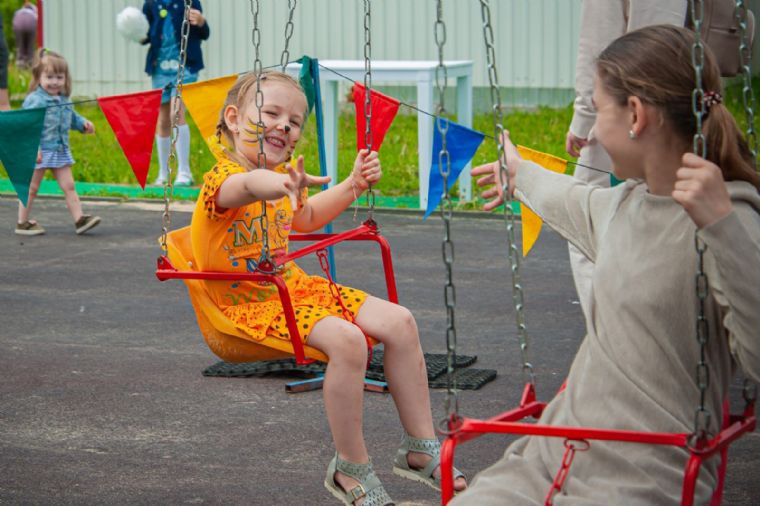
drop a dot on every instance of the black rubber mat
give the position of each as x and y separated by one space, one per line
436 368
467 379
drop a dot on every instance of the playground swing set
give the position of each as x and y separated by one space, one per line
226 341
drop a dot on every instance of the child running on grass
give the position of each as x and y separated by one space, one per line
51 88
226 231
635 369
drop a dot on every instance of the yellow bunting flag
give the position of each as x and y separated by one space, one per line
531 223
204 101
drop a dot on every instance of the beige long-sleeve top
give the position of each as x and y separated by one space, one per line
635 369
602 21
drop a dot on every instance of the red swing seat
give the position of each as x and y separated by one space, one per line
223 338
509 422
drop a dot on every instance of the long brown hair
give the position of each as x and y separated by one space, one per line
239 95
654 64
45 58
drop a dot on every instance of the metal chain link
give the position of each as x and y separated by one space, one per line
702 415
509 215
447 247
748 95
264 263
172 162
749 391
368 97
288 34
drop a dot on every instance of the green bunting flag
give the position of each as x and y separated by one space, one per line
20 132
307 80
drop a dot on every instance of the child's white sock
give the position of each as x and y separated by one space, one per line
163 145
183 155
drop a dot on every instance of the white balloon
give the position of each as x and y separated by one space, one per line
132 24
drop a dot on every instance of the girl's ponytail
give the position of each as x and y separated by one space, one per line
727 148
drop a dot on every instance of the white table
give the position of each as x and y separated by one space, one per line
420 72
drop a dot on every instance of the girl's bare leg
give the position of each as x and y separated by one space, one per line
34 188
343 388
165 117
66 182
404 364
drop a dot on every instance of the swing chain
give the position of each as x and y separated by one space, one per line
265 263
368 97
571 448
702 416
749 391
748 96
444 167
288 34
172 161
509 215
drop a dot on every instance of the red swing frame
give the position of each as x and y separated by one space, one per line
367 231
509 422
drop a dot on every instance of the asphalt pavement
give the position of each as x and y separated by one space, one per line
102 400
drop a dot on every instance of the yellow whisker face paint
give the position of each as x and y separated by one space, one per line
250 133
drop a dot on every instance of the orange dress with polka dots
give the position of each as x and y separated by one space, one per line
225 239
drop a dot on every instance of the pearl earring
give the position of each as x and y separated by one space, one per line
631 134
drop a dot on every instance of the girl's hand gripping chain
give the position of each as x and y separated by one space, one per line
700 189
367 170
491 174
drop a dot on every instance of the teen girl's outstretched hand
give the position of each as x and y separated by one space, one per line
700 189
491 174
367 169
298 179
89 127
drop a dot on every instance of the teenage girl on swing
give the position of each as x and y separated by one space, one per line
226 231
635 368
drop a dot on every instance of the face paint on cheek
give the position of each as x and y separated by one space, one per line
250 133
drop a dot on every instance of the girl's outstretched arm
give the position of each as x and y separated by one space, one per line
262 184
324 207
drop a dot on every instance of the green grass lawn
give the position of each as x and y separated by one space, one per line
101 160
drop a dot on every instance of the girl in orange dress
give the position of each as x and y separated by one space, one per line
226 235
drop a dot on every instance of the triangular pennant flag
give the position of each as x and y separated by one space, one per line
133 120
20 132
306 78
204 101
461 144
531 223
384 109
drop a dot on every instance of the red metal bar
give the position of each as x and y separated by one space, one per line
323 241
447 469
165 271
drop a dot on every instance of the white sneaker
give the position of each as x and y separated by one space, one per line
183 180
160 181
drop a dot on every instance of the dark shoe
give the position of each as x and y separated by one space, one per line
29 228
85 223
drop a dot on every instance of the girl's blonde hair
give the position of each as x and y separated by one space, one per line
654 64
240 95
44 59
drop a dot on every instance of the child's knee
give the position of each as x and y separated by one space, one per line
67 186
349 345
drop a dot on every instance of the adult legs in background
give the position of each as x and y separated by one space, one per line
163 143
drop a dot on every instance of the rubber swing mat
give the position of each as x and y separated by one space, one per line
467 379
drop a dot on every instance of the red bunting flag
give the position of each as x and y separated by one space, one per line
133 119
384 109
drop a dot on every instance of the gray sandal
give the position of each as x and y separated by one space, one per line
430 447
369 486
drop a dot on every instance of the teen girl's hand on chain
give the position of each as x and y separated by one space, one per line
367 169
491 174
700 189
298 179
